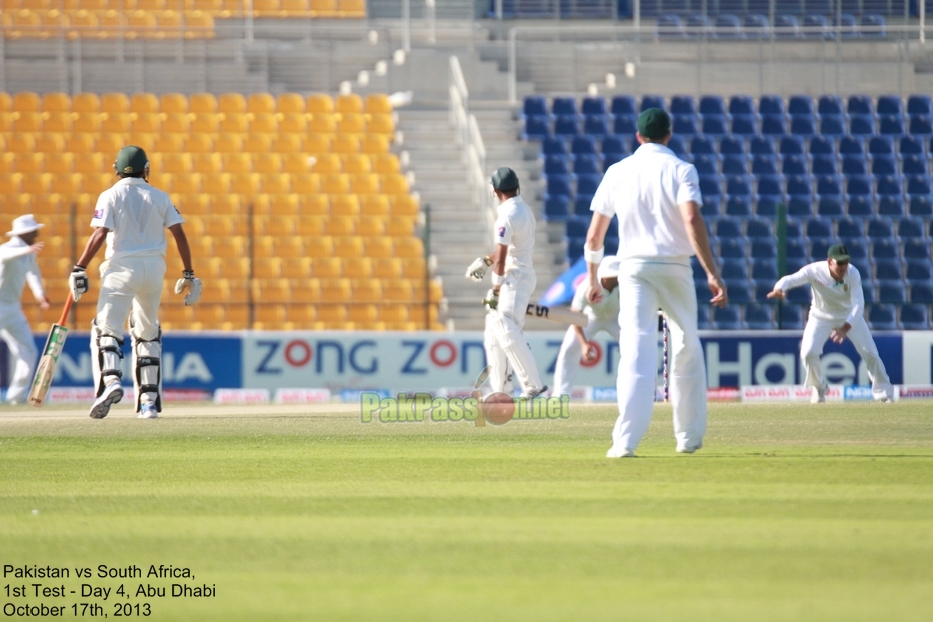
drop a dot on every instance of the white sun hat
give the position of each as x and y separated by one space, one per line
24 224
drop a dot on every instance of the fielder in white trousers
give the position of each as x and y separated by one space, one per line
815 334
15 331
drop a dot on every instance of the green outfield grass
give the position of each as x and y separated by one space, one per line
802 512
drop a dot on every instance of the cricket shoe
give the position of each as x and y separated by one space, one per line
819 394
148 410
688 449
533 393
112 394
620 452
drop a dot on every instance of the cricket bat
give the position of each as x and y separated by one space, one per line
50 353
557 314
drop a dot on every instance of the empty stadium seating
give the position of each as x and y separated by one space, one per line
258 221
853 169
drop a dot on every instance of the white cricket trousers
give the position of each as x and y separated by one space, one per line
643 288
569 357
131 284
816 333
15 331
505 324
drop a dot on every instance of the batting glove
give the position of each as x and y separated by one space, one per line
492 299
191 285
77 282
477 269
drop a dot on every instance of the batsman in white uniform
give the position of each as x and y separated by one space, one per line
131 217
513 283
836 312
603 316
657 199
18 266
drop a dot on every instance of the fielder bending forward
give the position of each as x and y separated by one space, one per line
603 316
656 196
836 312
131 217
513 282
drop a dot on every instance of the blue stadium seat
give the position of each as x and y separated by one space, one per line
714 125
594 105
759 228
798 296
564 106
652 101
773 125
911 229
698 25
769 193
764 249
740 185
920 205
741 104
537 127
868 288
557 207
703 308
734 165
684 124
624 124
678 146
892 124
759 316
861 104
728 27
889 104
854 165
786 27
799 195
884 165
587 164
922 293
824 164
623 105
822 145
791 316
683 104
792 145
574 249
796 249
558 185
850 227
711 185
582 145
880 229
734 270
702 144
771 104
669 27
596 125
553 146
793 164
764 270
890 196
742 124
881 146
819 228
920 124
911 145
728 228
706 164
876 23
920 104
581 205
830 205
852 145
733 145
556 165
761 145
915 164
712 104
862 125
534 105
915 317
833 124
892 292
848 26
764 164
918 271
885 249
613 144
738 205
800 104
576 226
566 126
830 105
611 157
857 247
732 248
916 249
815 27
740 293
587 184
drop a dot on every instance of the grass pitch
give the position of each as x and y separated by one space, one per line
800 512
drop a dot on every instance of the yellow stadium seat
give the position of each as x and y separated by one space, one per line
114 123
290 143
345 143
410 248
336 290
374 143
201 144
148 5
76 143
413 268
326 268
59 163
21 143
114 102
398 290
216 183
320 247
267 163
202 103
229 143
67 184
352 8
264 123
299 268
369 227
85 102
237 163
328 313
145 122
37 183
348 246
56 102
381 124
22 23
293 123
315 205
205 163
335 184
345 204
306 183
28 122
84 24
245 184
227 205
29 163
192 204
205 122
57 122
319 103
387 268
377 103
380 248
295 163
189 183
386 163
257 143
163 181
340 226
6 121
400 226
357 267
95 184
11 183
364 184
357 163
295 8
328 164
350 123
199 25
317 144
273 314
176 163
393 313
267 268
7 163
394 184
288 103
176 123
272 290
6 102
261 102
321 123
91 122
140 25
90 164
351 103
374 206
144 103
27 101
273 184
231 102
303 315
173 103
363 312
168 25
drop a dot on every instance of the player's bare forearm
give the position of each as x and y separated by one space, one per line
181 241
595 241
581 337
93 245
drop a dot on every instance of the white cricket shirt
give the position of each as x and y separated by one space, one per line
605 309
137 215
515 227
17 267
644 191
839 301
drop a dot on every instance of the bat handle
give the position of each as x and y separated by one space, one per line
67 309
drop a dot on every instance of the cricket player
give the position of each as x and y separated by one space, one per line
18 266
513 282
657 199
603 316
131 217
836 312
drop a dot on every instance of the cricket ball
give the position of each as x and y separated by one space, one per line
498 408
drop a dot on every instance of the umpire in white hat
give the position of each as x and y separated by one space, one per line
18 267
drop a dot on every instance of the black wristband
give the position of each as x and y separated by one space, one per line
188 274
